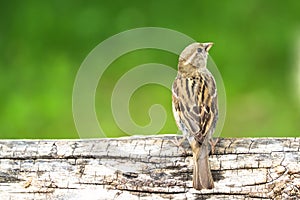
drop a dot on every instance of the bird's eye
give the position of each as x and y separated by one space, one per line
199 50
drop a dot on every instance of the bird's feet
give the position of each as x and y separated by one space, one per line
213 143
178 143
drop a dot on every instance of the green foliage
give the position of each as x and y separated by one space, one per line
43 43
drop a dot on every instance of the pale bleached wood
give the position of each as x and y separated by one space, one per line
147 168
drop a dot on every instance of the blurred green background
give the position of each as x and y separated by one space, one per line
43 43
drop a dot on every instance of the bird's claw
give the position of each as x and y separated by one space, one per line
178 143
213 143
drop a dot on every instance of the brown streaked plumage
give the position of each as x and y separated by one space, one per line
195 108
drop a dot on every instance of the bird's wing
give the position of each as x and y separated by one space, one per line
195 100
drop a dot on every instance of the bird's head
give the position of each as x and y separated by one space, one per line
195 55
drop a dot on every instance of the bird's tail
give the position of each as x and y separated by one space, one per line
202 177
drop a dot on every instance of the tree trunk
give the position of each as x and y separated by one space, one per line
147 167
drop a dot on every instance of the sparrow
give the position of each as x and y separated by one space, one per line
195 108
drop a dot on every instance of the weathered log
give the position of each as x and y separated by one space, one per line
151 167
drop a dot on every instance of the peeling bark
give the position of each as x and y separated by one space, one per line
149 167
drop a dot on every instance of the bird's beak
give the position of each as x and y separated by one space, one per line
208 45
